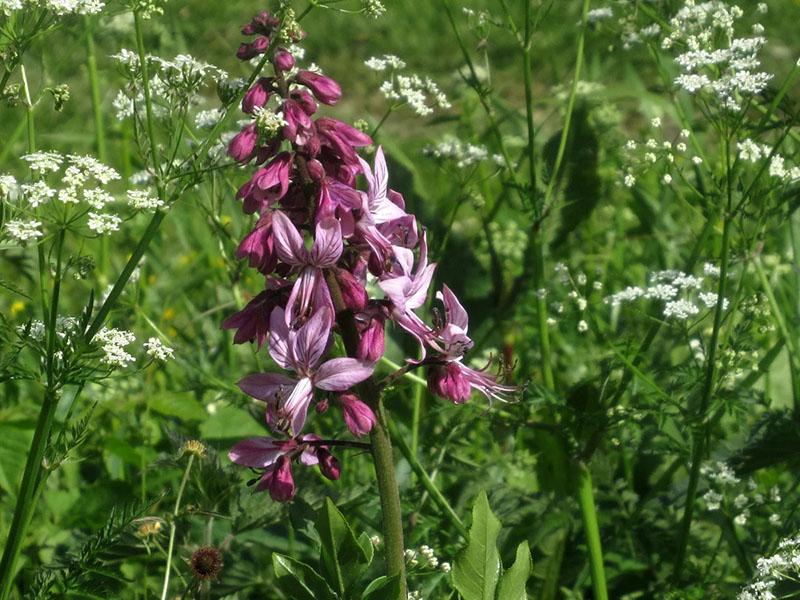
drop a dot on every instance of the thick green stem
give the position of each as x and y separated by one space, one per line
701 426
381 446
173 526
589 516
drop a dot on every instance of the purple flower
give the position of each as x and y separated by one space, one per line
324 254
258 95
301 351
325 89
407 290
258 246
242 147
267 185
447 381
283 60
275 457
263 24
358 417
372 342
252 322
247 51
298 128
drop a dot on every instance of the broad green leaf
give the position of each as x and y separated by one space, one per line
512 583
300 581
366 545
343 558
382 588
229 423
13 452
477 567
182 405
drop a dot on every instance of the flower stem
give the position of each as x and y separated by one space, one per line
701 430
589 515
173 526
381 445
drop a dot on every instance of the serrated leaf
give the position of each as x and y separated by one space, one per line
512 583
382 588
299 580
342 557
477 567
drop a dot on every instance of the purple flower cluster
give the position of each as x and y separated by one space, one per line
317 241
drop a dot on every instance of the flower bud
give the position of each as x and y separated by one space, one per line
258 95
283 60
325 89
353 292
372 342
279 481
328 465
305 100
242 147
315 169
262 24
247 51
322 406
358 417
447 381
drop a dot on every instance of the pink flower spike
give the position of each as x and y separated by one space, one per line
274 175
279 481
325 89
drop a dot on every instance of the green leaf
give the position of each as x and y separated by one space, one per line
300 581
16 444
477 568
512 584
366 545
182 405
381 588
343 558
229 423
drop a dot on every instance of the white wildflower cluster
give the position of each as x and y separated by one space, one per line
599 14
421 94
22 231
373 8
82 181
579 291
712 59
207 119
113 343
148 8
753 152
415 595
683 295
143 200
62 8
784 565
267 121
426 558
172 82
669 155
158 350
463 154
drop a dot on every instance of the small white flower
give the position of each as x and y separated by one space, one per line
629 180
103 223
142 200
583 326
24 230
155 348
655 122
666 179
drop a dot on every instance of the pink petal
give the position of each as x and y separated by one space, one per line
339 374
418 291
288 241
327 244
265 386
304 289
296 405
454 312
279 339
311 339
259 452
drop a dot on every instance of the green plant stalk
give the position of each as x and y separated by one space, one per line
32 475
173 526
148 100
701 431
590 526
426 481
381 448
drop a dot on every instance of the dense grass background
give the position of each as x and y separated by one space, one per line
190 281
